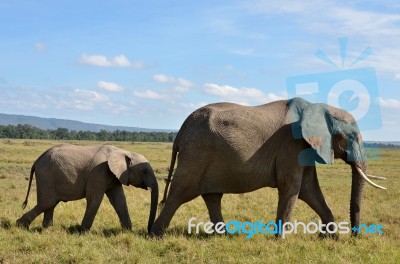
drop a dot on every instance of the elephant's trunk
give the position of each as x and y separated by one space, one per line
153 185
357 187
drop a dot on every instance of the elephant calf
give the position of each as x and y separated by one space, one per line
67 173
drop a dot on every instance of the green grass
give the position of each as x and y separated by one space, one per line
107 243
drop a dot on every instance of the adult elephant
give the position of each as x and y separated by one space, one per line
229 148
68 172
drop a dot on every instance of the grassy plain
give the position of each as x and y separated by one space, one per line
107 243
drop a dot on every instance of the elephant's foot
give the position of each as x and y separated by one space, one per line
47 221
47 224
156 233
78 229
127 227
328 233
333 236
75 229
22 223
83 229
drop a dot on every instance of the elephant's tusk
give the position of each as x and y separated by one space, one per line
376 177
368 180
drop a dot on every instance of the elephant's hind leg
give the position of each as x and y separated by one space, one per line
213 203
44 205
163 220
28 217
48 216
177 196
288 189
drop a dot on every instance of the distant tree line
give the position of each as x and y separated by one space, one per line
30 132
381 145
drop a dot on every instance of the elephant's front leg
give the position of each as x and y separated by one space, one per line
311 193
118 201
93 204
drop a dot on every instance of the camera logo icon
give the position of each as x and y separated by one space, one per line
352 89
355 90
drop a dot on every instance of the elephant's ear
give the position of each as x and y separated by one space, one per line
118 162
315 127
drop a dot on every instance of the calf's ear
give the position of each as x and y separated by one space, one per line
119 162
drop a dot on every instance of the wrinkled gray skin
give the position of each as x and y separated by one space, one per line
229 148
67 173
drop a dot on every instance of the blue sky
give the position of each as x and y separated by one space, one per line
151 63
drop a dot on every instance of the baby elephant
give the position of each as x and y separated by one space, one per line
67 172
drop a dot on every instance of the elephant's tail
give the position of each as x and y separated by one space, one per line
29 186
171 170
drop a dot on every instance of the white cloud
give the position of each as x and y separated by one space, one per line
121 61
180 89
102 61
39 46
390 103
68 103
363 22
182 84
91 95
338 18
390 120
192 106
239 95
109 86
25 99
397 76
229 27
79 105
277 7
22 104
116 108
366 26
150 94
242 52
162 78
95 60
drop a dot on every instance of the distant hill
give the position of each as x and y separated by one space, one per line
54 123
